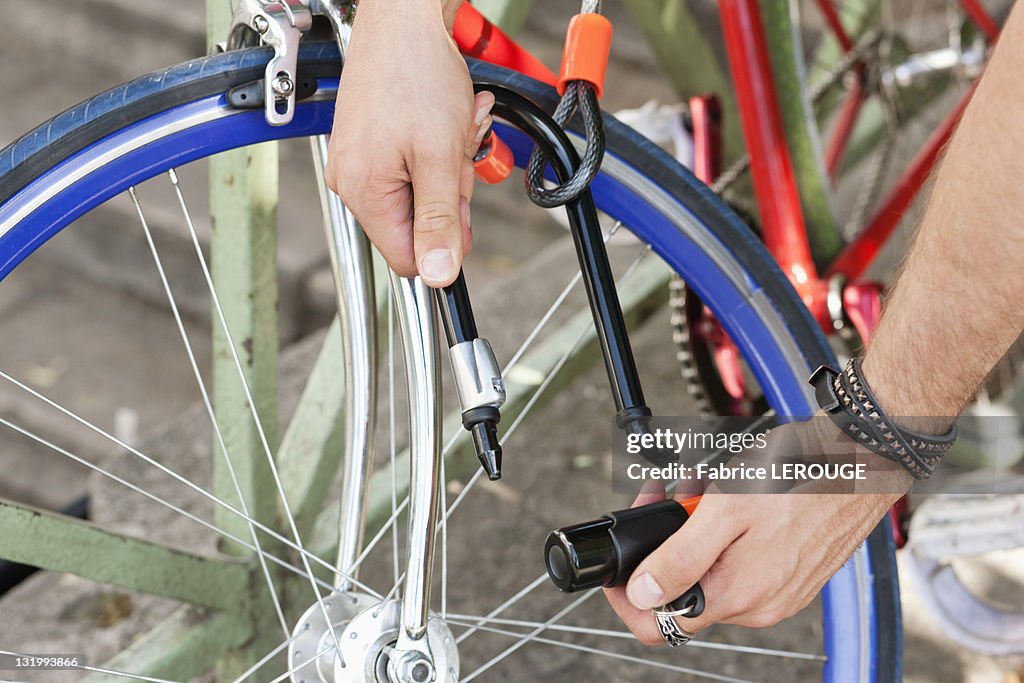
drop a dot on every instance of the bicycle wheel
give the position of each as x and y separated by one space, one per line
118 140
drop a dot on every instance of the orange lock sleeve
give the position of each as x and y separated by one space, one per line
497 162
690 504
588 42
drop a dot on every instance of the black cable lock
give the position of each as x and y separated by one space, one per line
604 552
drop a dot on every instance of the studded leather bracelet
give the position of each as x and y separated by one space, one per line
845 397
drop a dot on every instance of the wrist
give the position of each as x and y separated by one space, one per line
850 402
917 408
883 476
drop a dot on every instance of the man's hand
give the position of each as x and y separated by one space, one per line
405 129
759 558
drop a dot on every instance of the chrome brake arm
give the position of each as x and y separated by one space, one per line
279 24
340 14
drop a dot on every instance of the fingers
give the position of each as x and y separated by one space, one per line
381 200
682 560
415 206
651 492
442 189
466 182
482 104
388 224
437 216
467 228
640 621
482 120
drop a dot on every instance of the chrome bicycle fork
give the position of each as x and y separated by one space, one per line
416 311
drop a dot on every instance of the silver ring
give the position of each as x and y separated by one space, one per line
673 634
664 611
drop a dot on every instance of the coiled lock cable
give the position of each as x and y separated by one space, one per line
581 81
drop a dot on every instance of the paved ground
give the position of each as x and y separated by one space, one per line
83 322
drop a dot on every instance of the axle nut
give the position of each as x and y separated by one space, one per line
413 667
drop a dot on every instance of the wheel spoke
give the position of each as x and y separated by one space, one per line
388 525
260 431
444 545
310 453
392 447
49 540
473 621
566 355
525 639
185 645
266 659
612 655
300 665
204 394
96 669
161 467
170 506
505 605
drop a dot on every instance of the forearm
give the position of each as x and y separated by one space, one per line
956 307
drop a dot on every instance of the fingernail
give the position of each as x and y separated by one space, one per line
644 592
482 114
436 265
464 206
484 127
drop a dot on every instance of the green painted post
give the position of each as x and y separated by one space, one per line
243 257
687 57
508 14
59 543
312 446
801 131
182 647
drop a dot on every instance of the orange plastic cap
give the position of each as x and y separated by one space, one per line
690 504
497 162
588 42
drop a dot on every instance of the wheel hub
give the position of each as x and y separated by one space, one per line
367 631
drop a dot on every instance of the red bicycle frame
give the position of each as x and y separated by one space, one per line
774 181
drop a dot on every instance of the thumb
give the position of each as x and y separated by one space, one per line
681 561
651 492
438 219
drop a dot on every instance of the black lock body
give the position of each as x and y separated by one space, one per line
605 551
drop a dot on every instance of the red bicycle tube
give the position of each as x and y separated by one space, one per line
588 42
706 116
494 161
480 39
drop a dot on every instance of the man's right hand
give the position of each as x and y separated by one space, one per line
405 129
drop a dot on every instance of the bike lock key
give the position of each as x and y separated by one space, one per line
605 551
478 379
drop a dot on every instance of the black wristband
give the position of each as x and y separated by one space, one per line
847 400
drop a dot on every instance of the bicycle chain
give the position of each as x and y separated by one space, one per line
695 388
